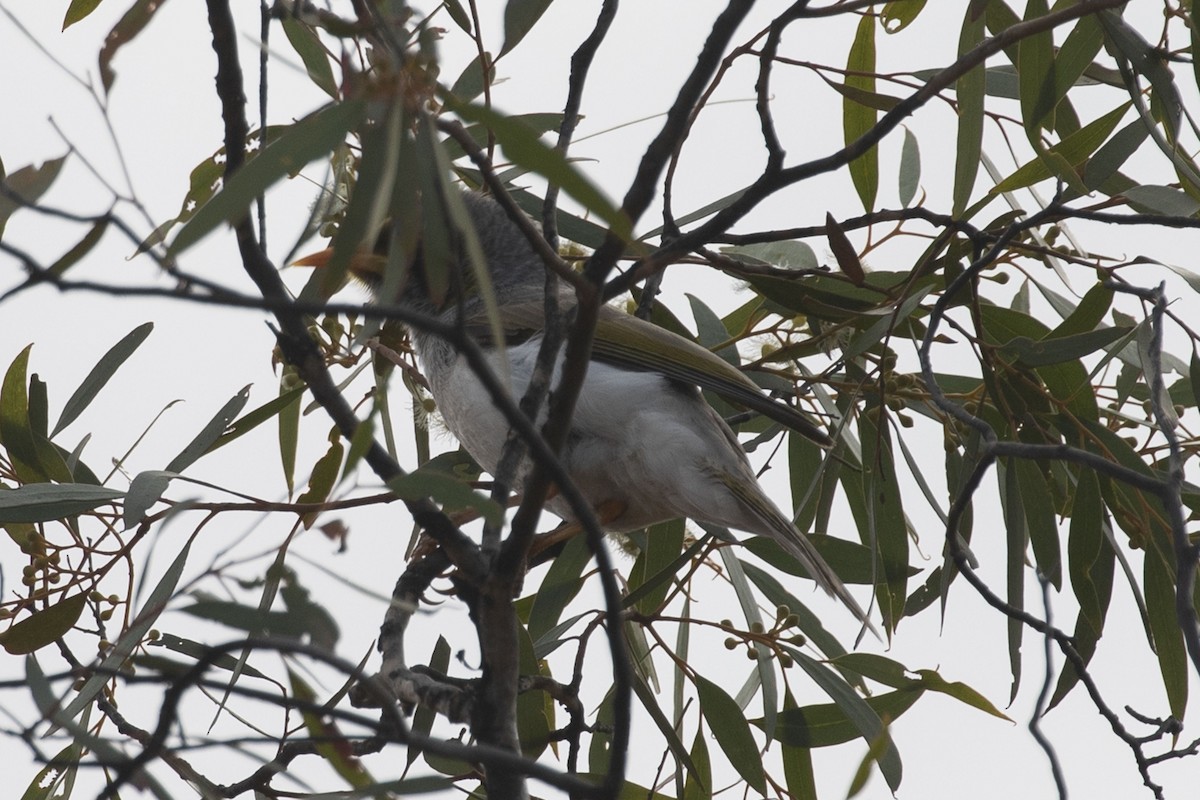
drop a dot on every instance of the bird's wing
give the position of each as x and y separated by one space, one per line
624 340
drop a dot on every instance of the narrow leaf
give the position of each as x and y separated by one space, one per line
858 119
305 141
127 28
210 432
96 380
910 168
732 732
42 502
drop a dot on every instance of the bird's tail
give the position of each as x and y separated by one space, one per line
781 529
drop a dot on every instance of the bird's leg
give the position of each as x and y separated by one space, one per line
606 512
426 545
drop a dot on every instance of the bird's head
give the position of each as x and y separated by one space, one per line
442 264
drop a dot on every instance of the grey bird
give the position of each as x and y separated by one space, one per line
643 446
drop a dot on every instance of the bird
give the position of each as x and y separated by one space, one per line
643 444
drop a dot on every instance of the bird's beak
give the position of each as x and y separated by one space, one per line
364 265
319 259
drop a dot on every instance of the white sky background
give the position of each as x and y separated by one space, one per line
165 116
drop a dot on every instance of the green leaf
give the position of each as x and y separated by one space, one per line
1048 351
642 690
732 732
424 716
959 691
787 254
970 90
307 140
1158 583
1091 564
1015 538
16 433
1101 171
910 168
328 738
827 724
56 779
209 434
100 374
861 714
196 650
247 618
699 785
132 636
797 762
1076 55
880 669
1125 43
1163 200
323 477
519 18
522 146
43 502
451 493
1074 150
289 427
472 81
44 626
307 44
127 28
879 516
655 565
1039 517
27 184
79 9
897 14
144 491
459 14
81 249
562 582
1035 73
287 398
858 119
765 666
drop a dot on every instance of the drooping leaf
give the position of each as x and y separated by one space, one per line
307 44
970 90
863 717
519 18
844 251
858 119
127 28
910 168
1158 582
732 732
562 582
1035 73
